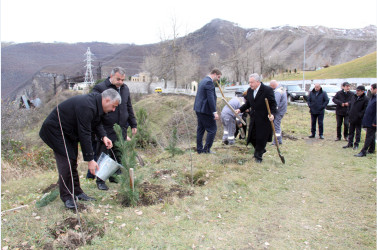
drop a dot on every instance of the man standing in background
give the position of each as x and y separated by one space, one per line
281 102
342 100
317 102
205 108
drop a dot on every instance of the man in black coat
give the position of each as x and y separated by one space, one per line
369 122
342 99
260 130
317 102
356 110
71 122
123 116
205 109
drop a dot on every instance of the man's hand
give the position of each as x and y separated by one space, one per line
93 166
343 104
237 111
216 116
108 143
346 104
374 125
134 131
271 117
128 138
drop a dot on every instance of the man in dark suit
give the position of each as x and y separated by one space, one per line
123 116
260 130
205 108
342 100
317 102
77 117
369 122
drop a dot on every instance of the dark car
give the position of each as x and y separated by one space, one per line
239 91
295 92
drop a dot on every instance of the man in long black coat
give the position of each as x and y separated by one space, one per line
123 115
317 102
76 119
356 110
260 130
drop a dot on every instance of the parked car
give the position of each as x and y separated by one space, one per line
331 91
158 90
295 92
239 91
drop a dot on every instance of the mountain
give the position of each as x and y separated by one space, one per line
23 65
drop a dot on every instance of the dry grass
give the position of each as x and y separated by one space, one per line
323 197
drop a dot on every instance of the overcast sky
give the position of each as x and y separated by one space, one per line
143 21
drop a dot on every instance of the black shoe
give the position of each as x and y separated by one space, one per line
338 139
226 142
355 147
69 204
102 186
371 152
361 154
113 179
258 160
321 137
348 146
85 197
312 136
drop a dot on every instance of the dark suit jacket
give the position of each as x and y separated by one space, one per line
370 113
258 112
205 100
357 108
123 114
79 116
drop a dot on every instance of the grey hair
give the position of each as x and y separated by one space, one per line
112 94
256 77
121 71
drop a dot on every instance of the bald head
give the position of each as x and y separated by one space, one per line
274 84
317 87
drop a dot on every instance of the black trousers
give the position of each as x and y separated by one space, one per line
65 179
320 123
354 126
339 121
205 123
259 145
370 141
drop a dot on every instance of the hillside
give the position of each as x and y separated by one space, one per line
278 46
363 67
322 198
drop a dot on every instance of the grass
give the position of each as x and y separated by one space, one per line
323 197
363 67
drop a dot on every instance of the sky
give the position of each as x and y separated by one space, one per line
149 21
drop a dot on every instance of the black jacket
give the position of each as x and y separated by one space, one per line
357 108
123 114
340 98
317 102
259 114
370 113
79 116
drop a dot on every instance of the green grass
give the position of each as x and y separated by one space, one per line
363 67
323 197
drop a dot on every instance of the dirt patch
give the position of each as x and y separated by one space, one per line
151 194
69 234
162 173
288 136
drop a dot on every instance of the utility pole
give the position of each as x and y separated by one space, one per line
99 71
88 73
303 70
55 75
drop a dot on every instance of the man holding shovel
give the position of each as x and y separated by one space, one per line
72 122
260 130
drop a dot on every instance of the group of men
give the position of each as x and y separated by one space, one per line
260 129
353 110
86 117
356 111
81 119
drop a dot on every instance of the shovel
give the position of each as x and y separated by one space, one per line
273 129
